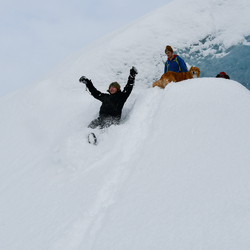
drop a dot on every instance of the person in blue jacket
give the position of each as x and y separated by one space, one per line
174 63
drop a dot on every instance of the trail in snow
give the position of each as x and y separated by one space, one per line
114 151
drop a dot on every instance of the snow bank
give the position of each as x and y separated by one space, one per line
174 174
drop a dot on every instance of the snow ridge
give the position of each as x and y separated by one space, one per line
174 174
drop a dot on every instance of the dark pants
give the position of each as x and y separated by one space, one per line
104 122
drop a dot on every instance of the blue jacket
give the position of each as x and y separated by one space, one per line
177 64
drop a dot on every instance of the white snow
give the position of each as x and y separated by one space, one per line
174 175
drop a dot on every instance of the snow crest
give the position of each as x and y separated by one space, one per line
173 175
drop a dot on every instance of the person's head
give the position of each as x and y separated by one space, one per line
114 87
169 51
222 75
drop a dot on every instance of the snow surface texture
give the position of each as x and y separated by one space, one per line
174 175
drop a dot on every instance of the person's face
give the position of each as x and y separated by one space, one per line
169 54
112 90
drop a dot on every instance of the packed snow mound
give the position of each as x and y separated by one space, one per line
175 173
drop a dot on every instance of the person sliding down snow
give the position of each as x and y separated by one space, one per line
112 103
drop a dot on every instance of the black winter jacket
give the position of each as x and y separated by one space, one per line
112 104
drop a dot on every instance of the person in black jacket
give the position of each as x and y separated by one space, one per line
112 103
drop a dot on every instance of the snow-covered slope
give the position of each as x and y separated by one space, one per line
174 175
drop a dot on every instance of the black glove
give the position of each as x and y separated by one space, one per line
133 72
84 80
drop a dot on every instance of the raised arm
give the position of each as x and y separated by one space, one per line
94 92
130 83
